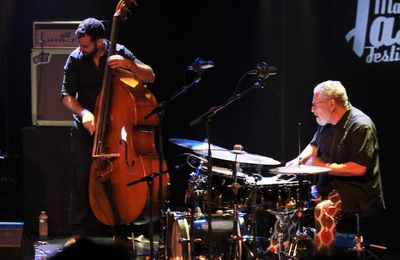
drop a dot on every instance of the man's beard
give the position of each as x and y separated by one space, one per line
320 121
92 53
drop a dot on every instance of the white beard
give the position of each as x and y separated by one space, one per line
320 121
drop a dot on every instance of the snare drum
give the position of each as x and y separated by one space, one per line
276 193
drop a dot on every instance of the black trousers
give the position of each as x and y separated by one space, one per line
80 213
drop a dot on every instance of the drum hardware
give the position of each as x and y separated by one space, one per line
236 239
362 252
149 179
283 227
300 244
195 180
253 215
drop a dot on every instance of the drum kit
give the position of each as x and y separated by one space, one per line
247 212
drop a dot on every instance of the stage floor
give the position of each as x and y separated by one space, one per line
52 246
46 249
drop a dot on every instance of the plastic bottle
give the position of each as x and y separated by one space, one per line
43 224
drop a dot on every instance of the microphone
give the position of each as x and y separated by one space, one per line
199 65
263 70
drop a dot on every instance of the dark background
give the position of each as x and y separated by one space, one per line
304 40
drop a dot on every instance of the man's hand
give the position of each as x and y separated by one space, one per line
88 120
117 61
294 162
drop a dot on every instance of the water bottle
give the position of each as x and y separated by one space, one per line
43 225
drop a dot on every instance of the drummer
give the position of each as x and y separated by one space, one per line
346 142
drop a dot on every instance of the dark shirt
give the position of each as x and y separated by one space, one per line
352 139
83 79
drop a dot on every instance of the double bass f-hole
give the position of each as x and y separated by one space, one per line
132 163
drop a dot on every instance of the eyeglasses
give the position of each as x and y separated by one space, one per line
319 102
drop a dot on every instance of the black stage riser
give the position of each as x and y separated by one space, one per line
46 177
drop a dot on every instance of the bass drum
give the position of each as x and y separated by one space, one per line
179 238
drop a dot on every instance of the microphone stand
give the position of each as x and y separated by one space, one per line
160 110
149 180
207 117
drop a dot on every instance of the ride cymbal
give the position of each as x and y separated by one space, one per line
300 169
241 157
194 145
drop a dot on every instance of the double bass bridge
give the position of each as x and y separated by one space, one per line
103 166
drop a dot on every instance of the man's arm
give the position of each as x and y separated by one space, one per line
308 152
348 169
87 117
142 71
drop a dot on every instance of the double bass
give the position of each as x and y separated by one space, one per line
124 149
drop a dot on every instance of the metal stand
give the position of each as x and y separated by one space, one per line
149 180
284 219
209 190
253 215
236 238
358 240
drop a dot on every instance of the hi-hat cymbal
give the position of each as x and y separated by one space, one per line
241 157
300 169
224 172
194 145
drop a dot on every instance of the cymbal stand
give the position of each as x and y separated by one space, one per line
253 213
149 180
236 238
300 204
300 235
193 194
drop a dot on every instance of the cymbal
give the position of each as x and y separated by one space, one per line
224 172
194 145
300 169
241 157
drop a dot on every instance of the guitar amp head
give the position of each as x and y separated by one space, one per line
55 34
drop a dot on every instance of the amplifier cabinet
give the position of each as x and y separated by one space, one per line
47 71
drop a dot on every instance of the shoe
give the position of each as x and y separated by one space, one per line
72 240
